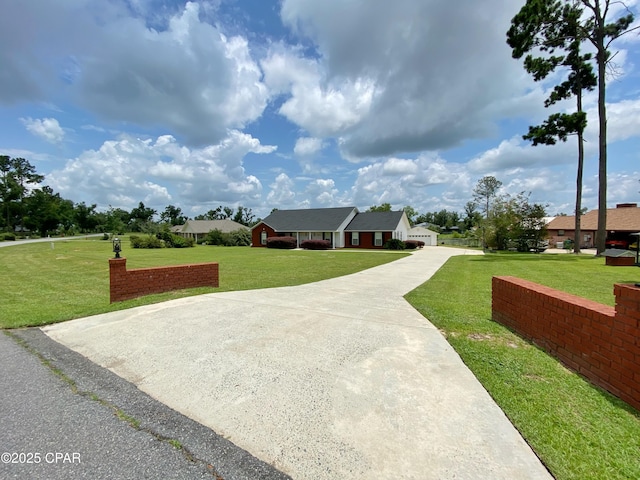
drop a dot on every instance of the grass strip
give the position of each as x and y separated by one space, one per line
578 430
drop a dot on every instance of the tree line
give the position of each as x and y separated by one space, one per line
27 207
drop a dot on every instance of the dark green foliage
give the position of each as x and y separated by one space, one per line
147 241
173 215
243 215
515 223
442 219
315 244
281 242
557 127
8 236
171 240
237 238
241 237
394 244
215 237
385 207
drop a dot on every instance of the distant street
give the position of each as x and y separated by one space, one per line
48 239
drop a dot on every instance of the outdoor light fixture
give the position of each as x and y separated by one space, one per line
117 247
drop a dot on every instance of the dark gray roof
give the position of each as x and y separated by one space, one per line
375 222
308 220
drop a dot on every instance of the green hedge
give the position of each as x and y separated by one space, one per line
237 238
394 244
148 241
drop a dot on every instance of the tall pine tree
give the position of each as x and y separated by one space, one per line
541 20
552 30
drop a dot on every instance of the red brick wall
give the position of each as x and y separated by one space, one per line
126 284
257 231
367 240
620 261
601 343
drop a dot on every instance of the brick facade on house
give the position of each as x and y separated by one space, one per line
257 235
599 342
127 284
367 240
622 221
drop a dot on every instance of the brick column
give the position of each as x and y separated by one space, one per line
627 304
117 278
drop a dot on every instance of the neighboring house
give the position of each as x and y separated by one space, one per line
342 227
423 234
197 229
622 221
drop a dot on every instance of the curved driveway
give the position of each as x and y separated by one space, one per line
336 379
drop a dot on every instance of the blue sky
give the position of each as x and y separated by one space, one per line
293 104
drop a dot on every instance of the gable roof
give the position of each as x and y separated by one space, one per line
626 219
205 226
418 230
375 221
309 219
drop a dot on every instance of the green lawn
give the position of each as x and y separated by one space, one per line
579 431
42 284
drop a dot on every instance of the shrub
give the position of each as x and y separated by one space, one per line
413 244
215 237
394 244
178 241
241 237
281 242
236 238
171 240
8 236
315 244
148 241
105 236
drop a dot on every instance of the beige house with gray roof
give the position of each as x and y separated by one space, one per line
197 229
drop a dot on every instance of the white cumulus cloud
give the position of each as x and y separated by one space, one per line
46 128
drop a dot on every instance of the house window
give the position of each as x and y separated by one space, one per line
377 239
560 232
263 238
355 239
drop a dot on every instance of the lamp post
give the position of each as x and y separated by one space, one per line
117 247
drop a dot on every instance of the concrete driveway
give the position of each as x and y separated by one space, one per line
337 379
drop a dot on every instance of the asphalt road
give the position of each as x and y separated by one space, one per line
64 417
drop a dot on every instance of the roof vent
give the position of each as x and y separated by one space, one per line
627 205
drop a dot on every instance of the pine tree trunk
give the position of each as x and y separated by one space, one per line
601 235
577 232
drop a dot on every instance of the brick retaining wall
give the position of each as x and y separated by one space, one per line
126 284
601 343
